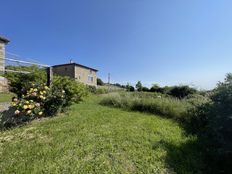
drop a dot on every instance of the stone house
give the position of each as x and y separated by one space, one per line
78 72
3 42
3 81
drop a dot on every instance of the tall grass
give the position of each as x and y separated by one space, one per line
151 103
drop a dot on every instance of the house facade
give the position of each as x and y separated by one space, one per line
78 72
3 42
3 81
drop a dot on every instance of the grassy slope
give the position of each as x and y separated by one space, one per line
98 139
6 97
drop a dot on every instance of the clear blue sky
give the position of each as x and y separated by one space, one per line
169 42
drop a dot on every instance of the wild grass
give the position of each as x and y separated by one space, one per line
96 139
146 102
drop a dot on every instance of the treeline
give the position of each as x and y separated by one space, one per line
180 92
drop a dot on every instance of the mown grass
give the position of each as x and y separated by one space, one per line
97 139
6 97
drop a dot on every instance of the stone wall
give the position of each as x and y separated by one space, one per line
2 56
3 81
3 85
64 70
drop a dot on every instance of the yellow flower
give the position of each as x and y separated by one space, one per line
35 90
46 87
25 107
27 102
31 106
40 113
13 104
29 112
44 92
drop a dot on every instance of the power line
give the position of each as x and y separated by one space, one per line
26 62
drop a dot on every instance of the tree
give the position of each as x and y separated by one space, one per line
157 88
130 88
100 82
181 91
145 89
139 86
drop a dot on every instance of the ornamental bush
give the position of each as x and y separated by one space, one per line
32 104
38 100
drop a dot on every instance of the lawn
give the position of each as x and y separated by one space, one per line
6 97
97 139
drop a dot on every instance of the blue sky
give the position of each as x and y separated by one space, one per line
169 42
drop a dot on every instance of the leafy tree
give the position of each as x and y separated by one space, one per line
130 88
139 86
157 88
100 82
181 91
145 89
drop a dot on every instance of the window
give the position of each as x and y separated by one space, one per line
90 79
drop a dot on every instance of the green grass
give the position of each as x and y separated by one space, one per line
98 139
6 97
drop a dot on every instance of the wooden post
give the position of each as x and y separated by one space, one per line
49 76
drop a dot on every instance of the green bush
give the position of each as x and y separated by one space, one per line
181 91
102 91
74 91
92 89
157 88
145 89
217 134
130 88
20 83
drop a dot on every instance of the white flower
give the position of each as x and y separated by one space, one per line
17 112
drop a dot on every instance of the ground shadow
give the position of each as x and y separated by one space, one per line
186 158
8 119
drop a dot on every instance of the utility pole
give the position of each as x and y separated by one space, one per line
108 82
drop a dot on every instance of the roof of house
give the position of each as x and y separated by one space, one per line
76 64
3 39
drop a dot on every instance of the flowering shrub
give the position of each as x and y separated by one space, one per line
40 100
32 104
